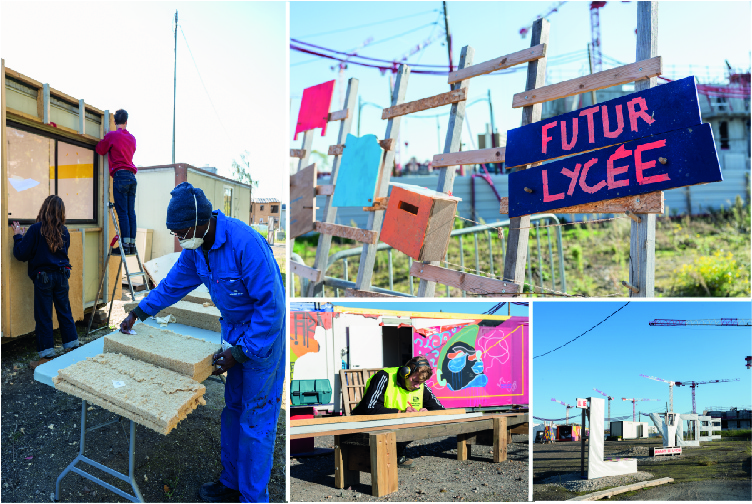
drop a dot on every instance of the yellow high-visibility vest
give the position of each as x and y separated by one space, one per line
397 397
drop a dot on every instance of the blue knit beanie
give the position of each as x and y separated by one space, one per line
181 211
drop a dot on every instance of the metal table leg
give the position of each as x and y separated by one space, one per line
82 458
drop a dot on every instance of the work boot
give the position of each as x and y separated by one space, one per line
130 250
36 363
405 463
218 492
116 251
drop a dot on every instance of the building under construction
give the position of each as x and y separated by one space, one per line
731 418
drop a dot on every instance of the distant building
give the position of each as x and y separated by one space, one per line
264 208
731 418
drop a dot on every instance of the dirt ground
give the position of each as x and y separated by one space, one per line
41 435
717 470
436 477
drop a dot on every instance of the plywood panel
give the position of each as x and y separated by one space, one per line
358 173
75 283
92 264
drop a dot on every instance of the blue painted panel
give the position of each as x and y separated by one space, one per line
611 173
657 110
358 172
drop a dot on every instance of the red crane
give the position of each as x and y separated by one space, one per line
633 404
694 384
563 404
723 322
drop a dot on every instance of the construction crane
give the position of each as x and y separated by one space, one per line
563 404
723 322
670 389
553 8
609 401
595 35
694 384
633 404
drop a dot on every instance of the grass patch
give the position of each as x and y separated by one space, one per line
737 435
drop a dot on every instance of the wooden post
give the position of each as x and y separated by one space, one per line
45 103
582 446
104 128
642 234
330 212
81 116
451 144
500 439
383 463
519 232
375 219
464 450
5 239
343 475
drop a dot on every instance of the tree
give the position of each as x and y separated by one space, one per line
242 171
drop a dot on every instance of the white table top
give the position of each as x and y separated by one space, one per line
48 370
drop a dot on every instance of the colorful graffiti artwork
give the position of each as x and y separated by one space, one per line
477 364
303 333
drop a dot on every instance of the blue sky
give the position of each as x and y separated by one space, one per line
701 34
612 356
435 306
121 55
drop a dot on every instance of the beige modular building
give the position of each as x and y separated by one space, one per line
263 208
153 196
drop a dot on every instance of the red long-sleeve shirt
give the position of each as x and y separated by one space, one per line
121 146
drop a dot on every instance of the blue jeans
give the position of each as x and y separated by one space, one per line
52 288
124 192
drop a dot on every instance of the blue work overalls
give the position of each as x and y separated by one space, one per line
245 284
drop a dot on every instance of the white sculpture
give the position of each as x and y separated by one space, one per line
598 467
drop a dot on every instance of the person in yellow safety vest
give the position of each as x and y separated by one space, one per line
400 390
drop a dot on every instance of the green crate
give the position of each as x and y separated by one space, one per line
305 392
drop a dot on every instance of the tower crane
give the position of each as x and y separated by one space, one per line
609 401
633 404
563 404
670 389
553 8
694 384
723 322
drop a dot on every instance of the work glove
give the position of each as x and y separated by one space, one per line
127 324
224 360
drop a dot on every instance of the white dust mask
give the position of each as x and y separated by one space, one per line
194 243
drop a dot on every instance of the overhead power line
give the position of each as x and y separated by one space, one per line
375 23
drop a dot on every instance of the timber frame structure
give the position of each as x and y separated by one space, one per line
26 105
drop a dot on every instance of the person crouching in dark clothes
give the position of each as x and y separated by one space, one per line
399 390
45 245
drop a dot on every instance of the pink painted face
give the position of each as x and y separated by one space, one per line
414 381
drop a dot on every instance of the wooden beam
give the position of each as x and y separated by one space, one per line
371 418
383 463
464 449
495 155
6 232
304 271
499 439
82 116
473 284
642 203
54 92
339 115
365 294
303 201
359 458
357 234
378 204
604 494
387 144
343 476
31 120
298 153
454 96
431 431
45 103
510 60
324 190
336 150
621 75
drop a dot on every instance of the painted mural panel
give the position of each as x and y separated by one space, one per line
476 364
308 332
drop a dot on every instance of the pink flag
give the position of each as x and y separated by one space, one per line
314 109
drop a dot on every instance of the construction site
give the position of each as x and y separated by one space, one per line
447 161
120 411
468 430
670 446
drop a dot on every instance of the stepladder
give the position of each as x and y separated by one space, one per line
123 264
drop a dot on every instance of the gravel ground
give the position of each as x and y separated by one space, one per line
40 437
574 483
438 476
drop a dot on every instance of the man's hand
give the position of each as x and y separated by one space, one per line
17 229
423 409
224 360
410 409
127 324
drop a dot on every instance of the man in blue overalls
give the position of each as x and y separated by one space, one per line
238 267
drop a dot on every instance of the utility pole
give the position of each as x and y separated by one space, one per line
448 37
360 107
590 61
175 87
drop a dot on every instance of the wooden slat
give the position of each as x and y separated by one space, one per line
387 144
28 119
359 235
339 115
378 204
499 439
370 418
365 294
510 60
432 431
650 203
473 284
6 251
482 156
57 94
324 190
336 150
383 463
298 153
439 100
601 80
304 271
604 494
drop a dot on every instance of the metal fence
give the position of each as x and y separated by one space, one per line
544 272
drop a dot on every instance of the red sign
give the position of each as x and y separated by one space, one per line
667 451
582 403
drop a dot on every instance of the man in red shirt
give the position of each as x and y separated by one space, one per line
121 146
